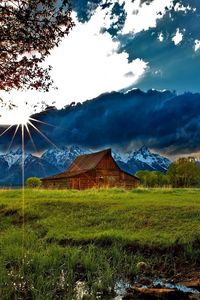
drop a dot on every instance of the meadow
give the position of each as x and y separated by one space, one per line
59 238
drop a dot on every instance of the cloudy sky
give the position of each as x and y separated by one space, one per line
119 45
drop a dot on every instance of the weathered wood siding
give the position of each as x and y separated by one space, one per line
61 183
83 181
108 174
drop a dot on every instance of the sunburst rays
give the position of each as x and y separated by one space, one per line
34 146
13 137
21 129
42 134
4 132
23 193
26 127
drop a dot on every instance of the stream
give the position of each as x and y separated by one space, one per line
121 288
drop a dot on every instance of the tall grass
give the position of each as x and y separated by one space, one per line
94 236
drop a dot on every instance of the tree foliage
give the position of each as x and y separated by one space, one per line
33 182
184 173
29 29
153 178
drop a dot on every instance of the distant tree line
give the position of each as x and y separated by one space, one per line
153 178
183 173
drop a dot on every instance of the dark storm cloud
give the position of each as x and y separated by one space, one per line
160 120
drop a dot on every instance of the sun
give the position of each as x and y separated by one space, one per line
16 116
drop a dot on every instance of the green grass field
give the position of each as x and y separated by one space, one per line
59 237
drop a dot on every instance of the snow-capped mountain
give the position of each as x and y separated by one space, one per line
62 158
118 156
56 160
146 160
11 168
13 156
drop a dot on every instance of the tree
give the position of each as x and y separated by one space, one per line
33 182
142 175
153 178
184 173
29 29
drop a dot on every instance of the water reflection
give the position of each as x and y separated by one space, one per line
82 290
179 287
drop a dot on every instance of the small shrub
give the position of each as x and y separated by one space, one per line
33 182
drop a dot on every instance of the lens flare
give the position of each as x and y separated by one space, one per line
17 116
22 123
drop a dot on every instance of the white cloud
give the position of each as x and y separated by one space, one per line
16 116
88 64
145 16
178 37
158 73
180 7
85 65
196 45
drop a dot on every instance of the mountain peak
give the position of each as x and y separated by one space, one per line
153 160
17 151
144 149
62 158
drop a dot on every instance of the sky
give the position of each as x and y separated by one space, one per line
119 45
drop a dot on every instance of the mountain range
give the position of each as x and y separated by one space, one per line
55 160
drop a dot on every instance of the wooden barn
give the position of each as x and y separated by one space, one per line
92 170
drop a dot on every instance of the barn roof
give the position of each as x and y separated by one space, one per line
82 164
86 162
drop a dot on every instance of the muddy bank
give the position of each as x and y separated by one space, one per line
164 289
144 288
